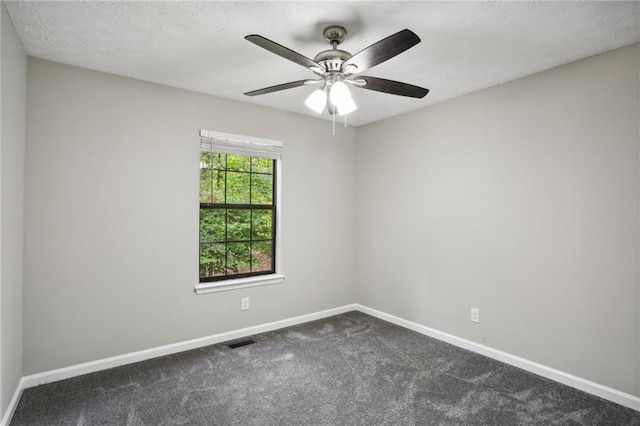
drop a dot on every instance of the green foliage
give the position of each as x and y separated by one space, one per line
235 240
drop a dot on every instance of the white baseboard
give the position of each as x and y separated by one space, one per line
13 404
103 364
604 392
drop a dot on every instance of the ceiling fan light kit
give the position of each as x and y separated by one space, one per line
317 100
336 68
340 97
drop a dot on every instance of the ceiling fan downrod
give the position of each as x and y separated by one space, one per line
333 59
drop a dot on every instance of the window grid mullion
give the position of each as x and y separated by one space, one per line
273 214
226 220
236 206
250 214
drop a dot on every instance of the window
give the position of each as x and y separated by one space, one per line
237 216
239 211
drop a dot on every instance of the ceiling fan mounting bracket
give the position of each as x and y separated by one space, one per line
334 34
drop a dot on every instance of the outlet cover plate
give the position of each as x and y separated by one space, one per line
475 315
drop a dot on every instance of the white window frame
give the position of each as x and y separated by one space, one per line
247 145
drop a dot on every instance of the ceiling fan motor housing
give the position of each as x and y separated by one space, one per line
332 59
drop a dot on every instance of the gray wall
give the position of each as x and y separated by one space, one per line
520 200
111 241
13 73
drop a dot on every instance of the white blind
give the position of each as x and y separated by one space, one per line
229 143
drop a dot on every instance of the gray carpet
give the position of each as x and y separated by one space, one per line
351 369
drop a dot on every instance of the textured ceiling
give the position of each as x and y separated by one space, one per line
200 46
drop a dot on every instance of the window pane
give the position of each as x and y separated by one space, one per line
218 160
206 160
261 189
206 185
238 258
262 222
212 260
212 226
238 162
262 165
261 256
237 188
218 186
238 225
211 186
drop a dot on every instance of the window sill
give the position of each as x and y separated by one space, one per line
212 287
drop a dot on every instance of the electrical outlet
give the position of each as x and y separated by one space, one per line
475 315
245 304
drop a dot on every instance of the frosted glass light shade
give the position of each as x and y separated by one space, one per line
341 98
347 106
317 100
339 93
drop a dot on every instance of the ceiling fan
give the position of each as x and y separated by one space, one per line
336 67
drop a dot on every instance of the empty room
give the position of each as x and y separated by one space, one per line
319 213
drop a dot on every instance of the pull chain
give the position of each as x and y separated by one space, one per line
333 119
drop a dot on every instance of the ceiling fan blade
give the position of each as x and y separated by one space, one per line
280 50
391 87
383 50
279 87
